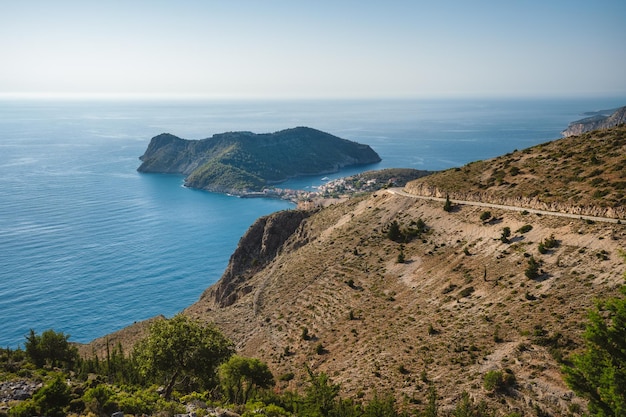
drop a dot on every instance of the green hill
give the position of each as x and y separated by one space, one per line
239 162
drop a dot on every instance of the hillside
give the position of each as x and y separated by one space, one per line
326 289
583 174
239 162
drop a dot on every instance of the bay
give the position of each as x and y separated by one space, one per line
88 245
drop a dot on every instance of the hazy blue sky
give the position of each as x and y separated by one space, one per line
273 48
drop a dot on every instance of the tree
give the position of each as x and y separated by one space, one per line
499 381
447 206
599 372
53 398
432 408
394 232
51 348
468 408
506 233
532 271
401 258
320 394
182 348
381 407
240 376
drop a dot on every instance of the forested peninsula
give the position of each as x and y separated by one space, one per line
242 162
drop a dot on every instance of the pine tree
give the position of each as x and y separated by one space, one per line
599 372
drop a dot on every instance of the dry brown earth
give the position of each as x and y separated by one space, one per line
460 304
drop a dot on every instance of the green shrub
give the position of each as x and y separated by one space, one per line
54 398
498 381
532 271
551 242
99 400
305 334
506 233
400 259
542 248
393 231
24 409
466 292
287 377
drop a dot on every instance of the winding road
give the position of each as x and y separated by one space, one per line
401 192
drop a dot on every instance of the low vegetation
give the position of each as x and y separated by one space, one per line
587 172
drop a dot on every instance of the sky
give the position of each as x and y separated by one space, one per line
313 49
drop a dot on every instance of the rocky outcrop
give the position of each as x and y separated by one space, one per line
256 249
596 122
17 390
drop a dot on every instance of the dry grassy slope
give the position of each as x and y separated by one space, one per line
583 174
387 347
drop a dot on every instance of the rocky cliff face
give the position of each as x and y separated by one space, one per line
256 249
596 122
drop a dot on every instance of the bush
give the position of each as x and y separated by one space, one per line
485 215
542 248
53 399
400 259
24 409
466 292
498 381
532 271
99 400
287 377
551 242
305 334
525 229
394 233
506 233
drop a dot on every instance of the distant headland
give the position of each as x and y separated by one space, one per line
240 163
603 119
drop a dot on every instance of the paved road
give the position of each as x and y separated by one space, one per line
399 191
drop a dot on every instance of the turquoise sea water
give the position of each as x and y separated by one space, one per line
88 245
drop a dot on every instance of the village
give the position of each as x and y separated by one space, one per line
328 193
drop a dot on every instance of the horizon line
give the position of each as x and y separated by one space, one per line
63 96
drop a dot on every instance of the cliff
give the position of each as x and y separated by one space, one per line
256 249
596 122
239 162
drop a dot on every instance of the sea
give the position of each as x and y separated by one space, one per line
88 245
